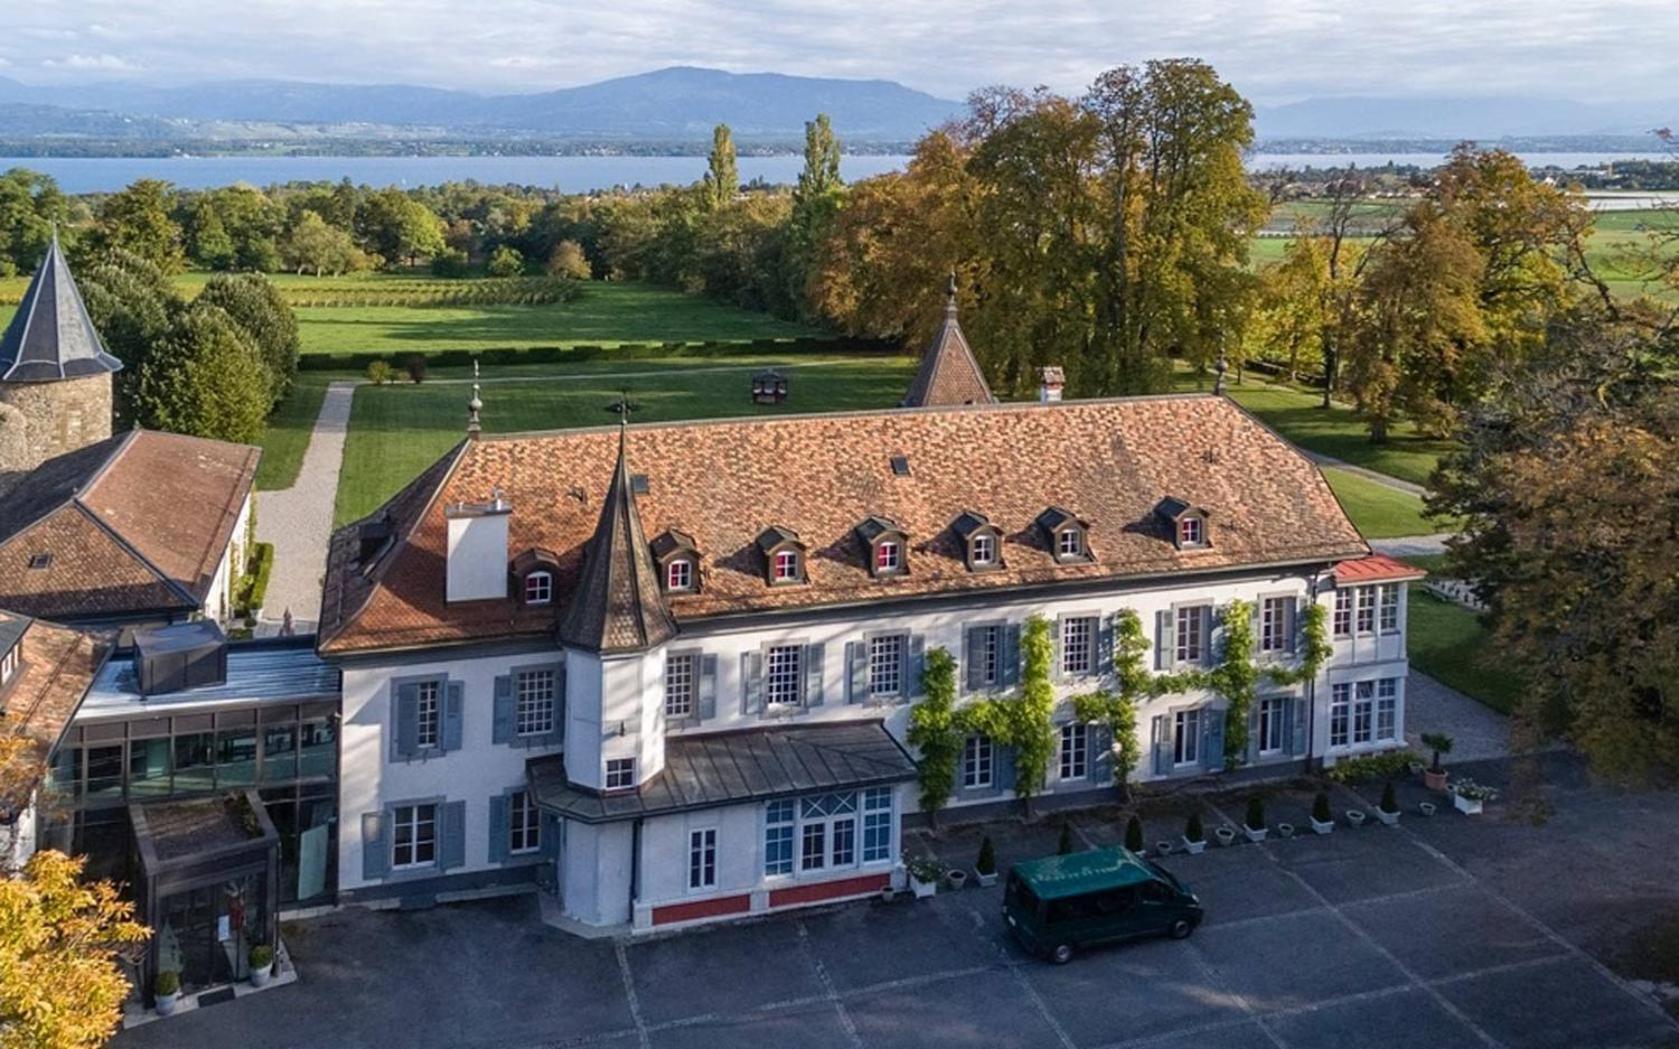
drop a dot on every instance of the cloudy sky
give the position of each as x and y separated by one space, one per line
1273 50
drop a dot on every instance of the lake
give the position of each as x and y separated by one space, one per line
577 174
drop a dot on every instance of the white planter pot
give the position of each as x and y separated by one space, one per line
1390 819
922 889
1254 835
166 1003
1195 848
1285 830
957 878
1427 808
1162 848
985 880
1326 827
1467 806
1356 817
260 977
1226 836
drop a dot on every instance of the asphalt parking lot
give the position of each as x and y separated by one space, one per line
1445 932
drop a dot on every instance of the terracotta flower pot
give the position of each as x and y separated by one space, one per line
1434 779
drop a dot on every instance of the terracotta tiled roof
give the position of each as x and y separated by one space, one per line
1377 568
725 482
949 374
615 605
51 336
58 666
138 522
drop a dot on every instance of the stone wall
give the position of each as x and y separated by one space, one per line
40 420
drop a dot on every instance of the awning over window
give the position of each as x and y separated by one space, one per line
728 768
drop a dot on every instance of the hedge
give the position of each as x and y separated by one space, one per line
253 587
823 345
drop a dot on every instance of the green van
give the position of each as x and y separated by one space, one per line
1062 903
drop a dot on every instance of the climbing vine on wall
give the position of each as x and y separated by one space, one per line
935 732
1022 721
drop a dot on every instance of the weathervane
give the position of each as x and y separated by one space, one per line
623 407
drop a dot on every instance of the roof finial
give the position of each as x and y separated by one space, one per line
474 406
950 296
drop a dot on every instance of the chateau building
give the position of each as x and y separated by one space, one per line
666 670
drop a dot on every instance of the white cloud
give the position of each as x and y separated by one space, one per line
1273 50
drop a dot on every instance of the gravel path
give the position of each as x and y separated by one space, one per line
1477 730
298 520
1412 545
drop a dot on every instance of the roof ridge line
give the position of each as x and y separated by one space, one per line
135 553
127 441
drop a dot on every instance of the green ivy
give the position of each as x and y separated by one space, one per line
1022 721
935 732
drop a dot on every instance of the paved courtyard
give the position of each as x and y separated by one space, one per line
1445 932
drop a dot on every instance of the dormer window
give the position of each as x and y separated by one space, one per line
679 575
786 566
784 556
534 571
1187 523
982 541
539 587
1069 544
679 561
1065 535
884 542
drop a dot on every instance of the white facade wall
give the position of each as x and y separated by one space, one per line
614 708
218 600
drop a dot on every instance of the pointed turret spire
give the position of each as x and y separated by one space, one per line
949 374
51 337
617 606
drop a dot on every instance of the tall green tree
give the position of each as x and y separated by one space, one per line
722 173
262 315
30 206
138 220
313 245
816 199
205 379
398 228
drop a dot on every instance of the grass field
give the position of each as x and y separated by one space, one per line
286 437
1380 512
1448 642
396 431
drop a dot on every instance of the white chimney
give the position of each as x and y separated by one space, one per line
477 558
1050 382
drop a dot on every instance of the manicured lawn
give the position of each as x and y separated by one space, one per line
397 431
287 435
605 314
1335 431
1380 512
1448 642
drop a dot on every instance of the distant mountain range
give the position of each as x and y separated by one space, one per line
674 103
682 104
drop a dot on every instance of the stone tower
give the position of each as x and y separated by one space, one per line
55 376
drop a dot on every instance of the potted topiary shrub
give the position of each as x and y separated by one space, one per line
262 964
1469 797
1134 834
1388 810
924 877
1435 775
167 989
1323 821
1194 838
1064 844
985 868
1254 825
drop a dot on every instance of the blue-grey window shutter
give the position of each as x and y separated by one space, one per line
751 683
1100 766
1212 738
856 672
813 675
1208 625
1161 734
375 846
1300 741
501 830
1002 759
1164 644
708 687
556 735
502 713
1294 620
917 664
453 702
548 836
1011 654
974 673
405 721
451 832
1057 631
1104 661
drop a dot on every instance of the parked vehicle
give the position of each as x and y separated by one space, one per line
1061 904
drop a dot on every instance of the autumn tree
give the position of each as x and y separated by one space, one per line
1566 487
313 245
568 260
817 197
722 174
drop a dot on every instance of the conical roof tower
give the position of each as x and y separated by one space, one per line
949 374
51 337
